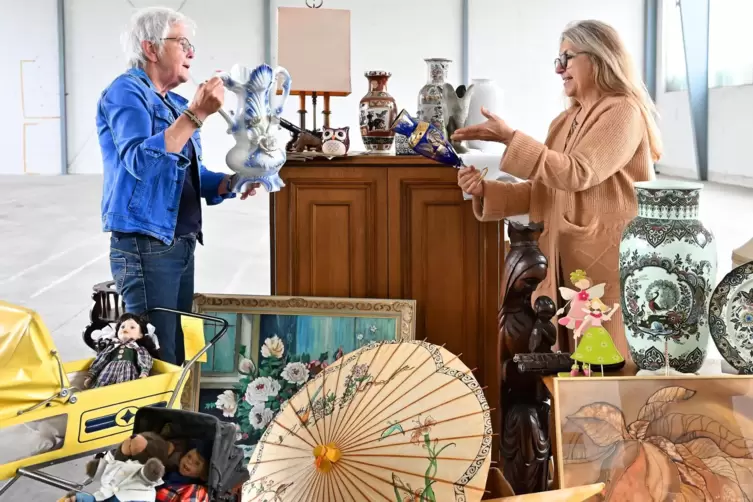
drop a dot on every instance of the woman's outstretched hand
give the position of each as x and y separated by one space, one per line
494 129
471 181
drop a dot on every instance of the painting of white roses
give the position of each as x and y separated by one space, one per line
275 344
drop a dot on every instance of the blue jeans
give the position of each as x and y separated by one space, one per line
149 273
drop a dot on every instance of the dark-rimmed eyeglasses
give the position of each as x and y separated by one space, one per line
184 43
563 60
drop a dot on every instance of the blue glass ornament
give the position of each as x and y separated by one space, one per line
426 140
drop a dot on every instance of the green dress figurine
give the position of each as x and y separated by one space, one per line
596 347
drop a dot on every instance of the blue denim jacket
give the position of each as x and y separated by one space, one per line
142 181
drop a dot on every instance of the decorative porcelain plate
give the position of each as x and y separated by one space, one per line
731 318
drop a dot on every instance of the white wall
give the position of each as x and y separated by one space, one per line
516 43
30 131
730 130
228 31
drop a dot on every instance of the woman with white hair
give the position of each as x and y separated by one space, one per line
580 180
154 176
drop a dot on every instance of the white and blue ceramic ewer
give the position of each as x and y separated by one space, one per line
257 156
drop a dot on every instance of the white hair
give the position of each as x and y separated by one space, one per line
150 24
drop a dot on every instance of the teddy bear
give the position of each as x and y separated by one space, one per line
129 473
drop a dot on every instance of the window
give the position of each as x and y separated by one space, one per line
673 47
730 44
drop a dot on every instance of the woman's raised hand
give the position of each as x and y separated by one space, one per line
471 181
209 98
494 129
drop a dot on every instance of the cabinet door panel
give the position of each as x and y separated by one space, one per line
331 234
441 259
450 263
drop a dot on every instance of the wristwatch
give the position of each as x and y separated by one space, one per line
231 182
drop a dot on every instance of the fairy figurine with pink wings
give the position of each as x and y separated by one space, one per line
597 347
576 300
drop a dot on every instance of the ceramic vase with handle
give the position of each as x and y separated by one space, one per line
486 94
257 156
667 270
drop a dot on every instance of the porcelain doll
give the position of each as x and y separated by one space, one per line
597 347
576 300
187 472
126 356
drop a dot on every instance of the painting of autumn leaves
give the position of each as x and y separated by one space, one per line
658 439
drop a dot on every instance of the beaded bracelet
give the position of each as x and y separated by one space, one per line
191 115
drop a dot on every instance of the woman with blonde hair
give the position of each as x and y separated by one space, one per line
580 180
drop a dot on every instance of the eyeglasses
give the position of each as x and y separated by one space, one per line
184 43
563 60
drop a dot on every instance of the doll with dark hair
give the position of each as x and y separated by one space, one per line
127 356
186 472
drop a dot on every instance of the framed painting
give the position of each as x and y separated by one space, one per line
275 344
657 438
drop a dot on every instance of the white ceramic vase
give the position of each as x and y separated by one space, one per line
257 155
667 271
487 94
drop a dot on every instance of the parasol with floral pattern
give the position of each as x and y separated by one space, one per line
395 420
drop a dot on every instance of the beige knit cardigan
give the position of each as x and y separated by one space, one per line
581 188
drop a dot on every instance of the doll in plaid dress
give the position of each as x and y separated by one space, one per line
127 356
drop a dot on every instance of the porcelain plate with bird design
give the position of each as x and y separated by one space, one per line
731 318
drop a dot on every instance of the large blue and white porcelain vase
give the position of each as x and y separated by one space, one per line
667 269
257 155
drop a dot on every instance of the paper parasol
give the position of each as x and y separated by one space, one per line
392 421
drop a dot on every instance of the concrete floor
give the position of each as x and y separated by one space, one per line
53 251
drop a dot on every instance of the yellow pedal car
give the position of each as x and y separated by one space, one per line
45 415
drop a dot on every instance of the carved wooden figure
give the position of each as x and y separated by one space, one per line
525 268
525 444
544 333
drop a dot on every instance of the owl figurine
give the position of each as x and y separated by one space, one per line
335 141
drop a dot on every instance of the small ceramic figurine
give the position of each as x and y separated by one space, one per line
126 356
458 103
335 141
597 347
577 299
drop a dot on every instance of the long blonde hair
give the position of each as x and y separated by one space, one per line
614 71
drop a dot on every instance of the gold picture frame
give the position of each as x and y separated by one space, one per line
268 329
656 436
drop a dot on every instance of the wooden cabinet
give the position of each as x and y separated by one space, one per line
330 234
393 227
